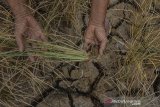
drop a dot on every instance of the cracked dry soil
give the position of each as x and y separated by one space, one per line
88 84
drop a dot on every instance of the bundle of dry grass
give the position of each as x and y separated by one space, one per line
47 50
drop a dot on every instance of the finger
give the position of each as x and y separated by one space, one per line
102 47
88 44
20 42
36 31
38 36
19 31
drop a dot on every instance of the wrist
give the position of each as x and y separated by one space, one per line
22 16
90 24
22 13
96 23
19 8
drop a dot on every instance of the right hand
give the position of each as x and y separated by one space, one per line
97 35
30 26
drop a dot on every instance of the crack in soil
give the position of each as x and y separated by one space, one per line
73 90
69 91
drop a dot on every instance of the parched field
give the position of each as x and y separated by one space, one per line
129 69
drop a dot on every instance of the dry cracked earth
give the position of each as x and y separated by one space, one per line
89 84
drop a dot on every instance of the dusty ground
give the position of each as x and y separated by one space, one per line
90 84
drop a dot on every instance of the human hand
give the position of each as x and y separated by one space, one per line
29 26
96 35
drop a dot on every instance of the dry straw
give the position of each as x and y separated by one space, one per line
50 51
142 51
